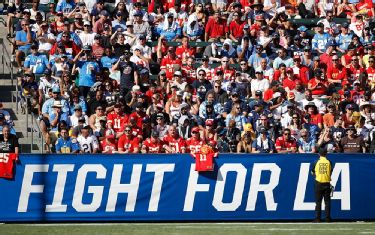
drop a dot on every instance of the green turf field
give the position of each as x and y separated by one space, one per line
190 228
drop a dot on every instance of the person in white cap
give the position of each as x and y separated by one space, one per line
87 36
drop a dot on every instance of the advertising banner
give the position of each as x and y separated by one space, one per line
167 188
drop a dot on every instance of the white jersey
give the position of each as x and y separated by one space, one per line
74 120
87 145
45 86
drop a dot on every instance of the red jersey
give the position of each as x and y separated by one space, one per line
301 73
167 64
236 29
357 96
138 118
318 90
278 76
291 84
209 72
354 73
128 144
316 119
6 165
70 48
108 147
176 144
194 145
184 52
228 73
151 147
347 59
337 73
268 94
117 121
215 29
282 144
371 75
366 7
189 73
204 162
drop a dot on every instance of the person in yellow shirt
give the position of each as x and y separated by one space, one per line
322 170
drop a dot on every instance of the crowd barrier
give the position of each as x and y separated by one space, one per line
167 188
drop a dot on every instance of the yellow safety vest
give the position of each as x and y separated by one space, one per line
323 170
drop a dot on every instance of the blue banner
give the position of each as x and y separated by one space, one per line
166 188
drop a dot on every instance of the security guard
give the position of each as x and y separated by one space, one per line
322 170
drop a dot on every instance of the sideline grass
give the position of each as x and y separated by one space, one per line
190 228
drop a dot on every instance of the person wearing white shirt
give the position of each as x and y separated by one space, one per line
267 70
87 36
260 83
308 98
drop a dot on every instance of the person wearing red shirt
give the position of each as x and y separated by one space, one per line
289 82
136 130
70 46
109 144
188 71
366 6
355 69
128 143
315 117
184 51
286 143
153 144
227 71
259 21
195 142
173 143
235 29
116 119
336 73
317 85
215 27
357 94
300 71
347 58
170 62
139 114
326 57
268 94
207 68
371 71
280 74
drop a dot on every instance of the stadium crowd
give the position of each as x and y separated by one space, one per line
171 76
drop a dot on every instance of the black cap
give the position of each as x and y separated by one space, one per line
323 151
155 134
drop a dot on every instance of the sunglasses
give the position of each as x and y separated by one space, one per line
262 119
217 86
225 61
194 132
303 136
201 74
371 61
286 133
25 24
128 130
243 63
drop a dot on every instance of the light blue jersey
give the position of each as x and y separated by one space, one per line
319 41
87 71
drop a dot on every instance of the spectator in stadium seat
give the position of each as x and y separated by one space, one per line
152 144
8 140
259 84
36 63
88 143
24 39
215 27
263 144
87 35
255 59
286 143
65 143
173 143
320 39
193 29
305 144
103 21
169 28
282 58
352 143
77 115
141 27
318 84
236 115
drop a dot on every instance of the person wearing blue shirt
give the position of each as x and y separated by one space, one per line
57 116
257 57
246 49
169 28
66 6
192 28
87 70
107 59
344 38
24 38
305 143
65 143
76 39
320 39
35 62
119 22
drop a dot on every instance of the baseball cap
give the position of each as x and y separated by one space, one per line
160 115
142 37
320 25
137 13
86 23
104 13
77 107
291 95
316 58
136 88
81 119
209 122
349 106
296 57
60 13
2 116
162 72
205 58
129 23
56 89
258 92
155 134
180 93
302 28
177 73
351 127
47 72
246 26
159 106
195 129
138 105
345 25
262 129
288 70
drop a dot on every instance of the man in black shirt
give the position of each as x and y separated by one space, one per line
8 142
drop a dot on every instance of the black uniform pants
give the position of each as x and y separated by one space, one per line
322 190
